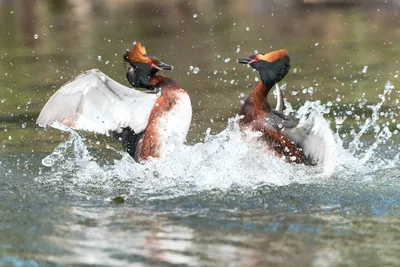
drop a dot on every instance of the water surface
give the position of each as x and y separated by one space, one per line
217 200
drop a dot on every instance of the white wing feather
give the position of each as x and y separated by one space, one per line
317 141
94 102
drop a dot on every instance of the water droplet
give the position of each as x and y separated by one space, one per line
36 36
99 58
316 44
247 28
195 15
232 81
364 70
107 62
196 70
227 59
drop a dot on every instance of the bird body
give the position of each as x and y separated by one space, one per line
145 122
311 142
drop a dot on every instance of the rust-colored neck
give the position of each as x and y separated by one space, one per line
170 94
259 95
256 107
257 100
165 83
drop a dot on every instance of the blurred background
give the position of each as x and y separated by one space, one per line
216 207
340 51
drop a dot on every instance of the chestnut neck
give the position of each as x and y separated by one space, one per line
257 99
164 83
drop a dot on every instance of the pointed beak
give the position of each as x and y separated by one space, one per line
163 66
244 60
155 63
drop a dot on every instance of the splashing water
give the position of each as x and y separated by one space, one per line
223 161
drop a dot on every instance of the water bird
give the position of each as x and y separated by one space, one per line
310 142
149 123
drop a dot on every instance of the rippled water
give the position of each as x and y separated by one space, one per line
222 200
74 199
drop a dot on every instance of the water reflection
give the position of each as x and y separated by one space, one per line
339 53
119 236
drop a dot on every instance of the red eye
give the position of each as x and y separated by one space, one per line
254 58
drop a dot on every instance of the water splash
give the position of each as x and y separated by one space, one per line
59 155
222 162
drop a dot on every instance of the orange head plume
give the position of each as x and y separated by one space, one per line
270 57
272 67
137 54
273 56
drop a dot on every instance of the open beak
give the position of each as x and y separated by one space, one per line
244 60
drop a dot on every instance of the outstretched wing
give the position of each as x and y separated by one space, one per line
94 102
316 139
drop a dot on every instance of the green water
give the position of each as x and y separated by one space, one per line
65 215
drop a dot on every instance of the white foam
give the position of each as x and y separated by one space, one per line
221 162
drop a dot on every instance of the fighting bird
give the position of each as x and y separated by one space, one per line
310 142
149 124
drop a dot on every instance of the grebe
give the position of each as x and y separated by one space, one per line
310 142
149 124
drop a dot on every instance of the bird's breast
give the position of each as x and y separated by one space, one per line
174 124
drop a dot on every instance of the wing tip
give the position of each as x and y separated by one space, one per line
40 121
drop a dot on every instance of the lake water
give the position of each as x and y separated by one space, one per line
217 201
